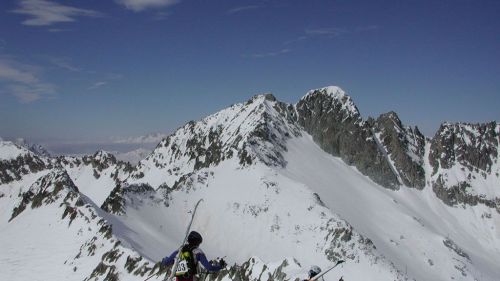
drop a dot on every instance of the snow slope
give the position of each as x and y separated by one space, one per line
408 226
96 175
252 212
55 233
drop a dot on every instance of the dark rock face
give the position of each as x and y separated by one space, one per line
473 148
336 125
24 164
116 201
472 145
46 190
405 146
114 204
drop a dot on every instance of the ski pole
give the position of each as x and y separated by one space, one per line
326 271
149 277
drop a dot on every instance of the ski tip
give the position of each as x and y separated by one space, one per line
340 261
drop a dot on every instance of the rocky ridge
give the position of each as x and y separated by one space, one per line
464 159
254 131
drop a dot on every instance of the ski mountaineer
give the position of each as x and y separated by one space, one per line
191 254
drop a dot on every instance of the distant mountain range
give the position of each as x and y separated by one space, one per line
285 186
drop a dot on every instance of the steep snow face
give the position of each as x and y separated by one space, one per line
423 237
55 233
96 175
254 211
334 122
253 131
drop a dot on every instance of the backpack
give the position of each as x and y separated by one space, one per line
187 263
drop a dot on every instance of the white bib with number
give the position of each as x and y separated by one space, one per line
182 268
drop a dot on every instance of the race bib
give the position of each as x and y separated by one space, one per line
182 268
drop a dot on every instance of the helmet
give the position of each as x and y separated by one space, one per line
194 238
315 270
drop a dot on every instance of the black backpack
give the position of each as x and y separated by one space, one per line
187 262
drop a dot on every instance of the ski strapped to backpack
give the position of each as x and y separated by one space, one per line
187 263
178 257
326 271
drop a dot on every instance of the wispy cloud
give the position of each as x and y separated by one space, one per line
141 5
338 31
367 28
242 9
23 81
45 13
270 54
64 63
113 76
57 30
328 31
97 85
106 79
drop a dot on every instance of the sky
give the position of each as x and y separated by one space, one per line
97 70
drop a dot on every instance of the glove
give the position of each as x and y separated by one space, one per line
222 263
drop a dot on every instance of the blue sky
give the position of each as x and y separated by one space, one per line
90 70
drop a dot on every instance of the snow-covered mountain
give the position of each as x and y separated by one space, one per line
285 186
36 148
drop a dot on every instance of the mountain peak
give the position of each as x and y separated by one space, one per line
332 98
104 156
263 97
333 91
10 150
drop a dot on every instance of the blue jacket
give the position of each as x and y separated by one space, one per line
199 257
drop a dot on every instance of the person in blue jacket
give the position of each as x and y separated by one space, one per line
191 255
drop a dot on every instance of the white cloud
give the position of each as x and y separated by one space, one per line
15 72
242 8
64 63
329 31
270 54
141 5
44 12
337 31
27 93
23 82
98 85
